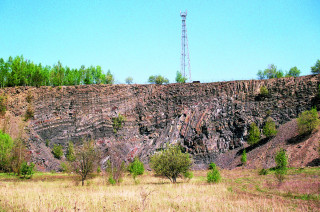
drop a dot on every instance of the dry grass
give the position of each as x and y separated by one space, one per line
240 190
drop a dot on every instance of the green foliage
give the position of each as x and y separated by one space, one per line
244 157
180 78
281 159
21 72
270 72
263 171
293 72
316 68
171 163
27 170
308 121
158 79
70 152
264 91
129 80
213 176
98 169
47 142
254 134
65 167
118 122
18 155
188 175
212 166
112 181
269 129
115 169
6 145
3 104
136 168
57 151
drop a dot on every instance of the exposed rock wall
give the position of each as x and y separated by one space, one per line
208 119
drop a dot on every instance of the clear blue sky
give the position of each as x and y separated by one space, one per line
228 40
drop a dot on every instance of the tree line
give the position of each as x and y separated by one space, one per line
19 71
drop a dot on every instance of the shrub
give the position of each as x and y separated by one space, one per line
112 181
212 166
180 78
244 157
3 104
115 169
254 134
269 129
158 79
316 68
171 163
281 160
129 80
118 122
70 152
213 176
308 121
6 145
29 113
27 170
188 175
263 171
98 169
65 167
47 142
136 168
264 91
57 151
18 155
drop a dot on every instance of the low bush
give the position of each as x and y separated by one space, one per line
27 170
117 122
254 134
57 151
213 176
263 171
244 157
264 91
136 168
269 129
308 121
281 160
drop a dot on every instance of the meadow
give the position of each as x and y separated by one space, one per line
239 190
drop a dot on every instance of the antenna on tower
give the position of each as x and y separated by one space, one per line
184 45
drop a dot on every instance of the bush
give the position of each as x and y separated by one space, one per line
6 145
316 68
3 104
188 175
269 129
27 170
65 167
244 157
57 151
212 166
213 176
263 172
115 169
308 121
171 163
129 80
118 122
158 79
180 78
264 91
70 152
281 160
29 113
136 168
254 134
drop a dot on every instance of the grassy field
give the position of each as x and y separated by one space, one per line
240 190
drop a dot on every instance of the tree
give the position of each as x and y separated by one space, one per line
109 78
6 145
57 151
316 68
27 170
136 168
270 72
281 160
117 122
180 78
293 72
86 157
264 92
18 155
115 167
213 176
171 163
254 134
129 80
158 79
308 121
269 128
244 157
70 152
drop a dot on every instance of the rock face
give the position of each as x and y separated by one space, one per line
206 119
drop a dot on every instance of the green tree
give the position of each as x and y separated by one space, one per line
129 80
109 79
254 134
18 155
281 160
27 170
136 168
86 157
308 121
171 163
180 78
213 176
244 157
269 129
293 72
316 68
70 152
6 145
158 79
117 122
264 91
57 151
115 167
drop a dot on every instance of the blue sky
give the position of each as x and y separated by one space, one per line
228 40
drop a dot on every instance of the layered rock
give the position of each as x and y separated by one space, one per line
207 119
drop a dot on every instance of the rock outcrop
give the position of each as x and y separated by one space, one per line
207 119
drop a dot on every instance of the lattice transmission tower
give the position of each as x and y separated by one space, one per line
185 47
